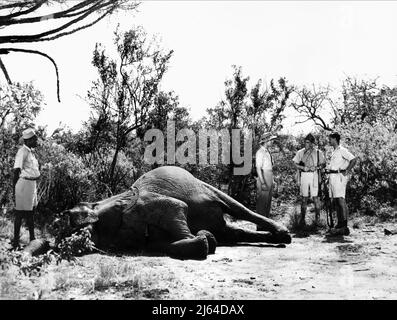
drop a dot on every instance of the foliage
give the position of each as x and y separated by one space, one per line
284 169
259 110
376 172
364 101
64 180
67 249
19 105
75 245
123 97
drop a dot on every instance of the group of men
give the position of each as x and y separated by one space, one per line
310 163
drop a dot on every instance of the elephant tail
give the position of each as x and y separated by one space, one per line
239 211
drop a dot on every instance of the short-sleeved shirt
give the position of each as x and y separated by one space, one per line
263 159
27 162
309 157
340 159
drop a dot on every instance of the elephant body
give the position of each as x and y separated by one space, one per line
169 210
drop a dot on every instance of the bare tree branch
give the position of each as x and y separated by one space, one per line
310 102
16 5
77 29
7 50
4 69
20 13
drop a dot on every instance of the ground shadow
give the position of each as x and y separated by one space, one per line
334 239
257 245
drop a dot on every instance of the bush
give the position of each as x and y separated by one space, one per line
8 147
64 180
386 214
75 245
376 172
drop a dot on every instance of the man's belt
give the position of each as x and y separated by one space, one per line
30 179
309 171
334 171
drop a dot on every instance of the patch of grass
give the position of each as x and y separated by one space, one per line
106 277
6 228
386 214
133 282
383 214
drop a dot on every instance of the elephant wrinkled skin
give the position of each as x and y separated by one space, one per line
168 210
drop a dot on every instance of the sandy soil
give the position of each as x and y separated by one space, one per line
359 266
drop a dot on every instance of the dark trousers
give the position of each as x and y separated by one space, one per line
28 217
264 198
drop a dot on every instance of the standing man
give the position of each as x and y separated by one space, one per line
26 172
264 169
309 162
341 164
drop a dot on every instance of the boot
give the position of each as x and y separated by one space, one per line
340 230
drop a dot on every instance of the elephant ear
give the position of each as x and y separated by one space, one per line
83 214
130 198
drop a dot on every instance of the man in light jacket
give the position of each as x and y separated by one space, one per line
265 180
26 173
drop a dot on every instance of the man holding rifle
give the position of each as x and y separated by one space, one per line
309 162
341 164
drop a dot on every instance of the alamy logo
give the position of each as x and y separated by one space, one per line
195 147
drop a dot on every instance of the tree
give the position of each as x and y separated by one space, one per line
125 94
166 107
65 18
258 109
19 105
364 101
312 103
265 108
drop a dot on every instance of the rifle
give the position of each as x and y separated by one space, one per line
327 203
323 193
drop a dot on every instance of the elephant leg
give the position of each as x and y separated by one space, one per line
212 243
232 234
196 248
170 215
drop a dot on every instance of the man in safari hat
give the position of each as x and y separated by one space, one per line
26 173
264 169
309 161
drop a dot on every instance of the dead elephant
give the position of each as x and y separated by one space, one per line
168 210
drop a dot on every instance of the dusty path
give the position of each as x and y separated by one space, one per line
360 266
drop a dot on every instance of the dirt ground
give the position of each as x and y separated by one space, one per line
359 266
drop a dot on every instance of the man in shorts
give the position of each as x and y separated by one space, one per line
26 173
309 161
341 164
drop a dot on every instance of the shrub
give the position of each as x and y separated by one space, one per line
64 180
376 172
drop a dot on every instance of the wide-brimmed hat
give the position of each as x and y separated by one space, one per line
310 138
28 133
267 137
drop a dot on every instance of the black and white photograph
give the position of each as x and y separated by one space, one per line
171 151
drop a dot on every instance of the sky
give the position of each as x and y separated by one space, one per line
307 42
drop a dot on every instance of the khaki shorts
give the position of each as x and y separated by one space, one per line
25 195
309 184
337 185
